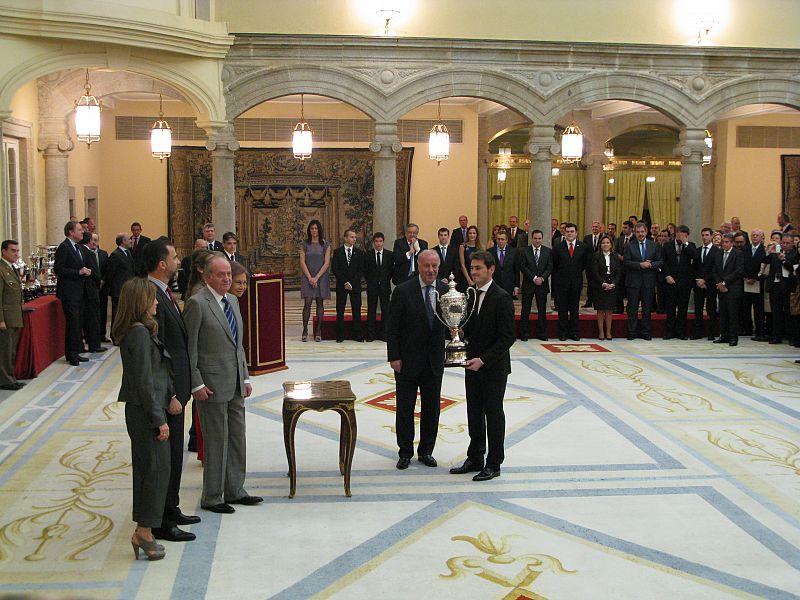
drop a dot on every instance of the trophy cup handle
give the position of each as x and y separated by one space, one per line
436 313
474 303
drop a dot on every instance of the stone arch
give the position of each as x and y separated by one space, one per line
473 83
262 85
634 87
753 90
202 99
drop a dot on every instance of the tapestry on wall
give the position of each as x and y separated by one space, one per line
790 169
277 195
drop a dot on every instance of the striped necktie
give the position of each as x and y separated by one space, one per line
231 320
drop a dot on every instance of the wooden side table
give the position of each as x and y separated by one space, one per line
300 396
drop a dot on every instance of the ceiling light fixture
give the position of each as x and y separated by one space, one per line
302 139
439 140
87 116
572 144
387 14
161 135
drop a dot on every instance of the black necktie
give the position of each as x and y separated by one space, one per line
78 252
349 255
478 301
378 259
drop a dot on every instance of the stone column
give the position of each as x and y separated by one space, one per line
690 149
542 145
223 145
709 173
482 216
386 145
593 211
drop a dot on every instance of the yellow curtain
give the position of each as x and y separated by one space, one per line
628 191
662 197
515 192
569 182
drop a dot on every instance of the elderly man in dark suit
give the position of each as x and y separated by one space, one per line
347 265
517 238
642 260
729 281
448 256
73 276
210 237
678 270
591 240
753 298
536 264
415 346
120 268
220 383
506 260
705 293
489 335
161 262
378 275
10 314
459 235
405 252
570 260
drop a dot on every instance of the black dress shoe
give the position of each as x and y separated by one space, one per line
721 340
487 474
697 337
563 338
647 337
222 509
468 467
73 361
711 338
81 359
339 341
181 519
427 460
760 338
105 340
775 341
97 350
631 337
247 500
683 337
575 338
668 336
173 534
523 338
11 386
733 343
369 339
542 338
402 463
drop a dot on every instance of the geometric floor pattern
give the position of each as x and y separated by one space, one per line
633 470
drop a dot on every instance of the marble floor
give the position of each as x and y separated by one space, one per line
633 470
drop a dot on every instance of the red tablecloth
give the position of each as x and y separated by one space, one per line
41 339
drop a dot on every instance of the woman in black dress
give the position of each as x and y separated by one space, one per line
605 273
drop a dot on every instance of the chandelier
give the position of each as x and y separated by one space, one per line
160 135
302 138
87 116
572 144
439 140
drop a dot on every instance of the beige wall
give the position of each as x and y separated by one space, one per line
748 180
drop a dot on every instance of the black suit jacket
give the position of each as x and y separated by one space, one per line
183 274
409 337
531 269
96 278
681 268
238 258
568 270
598 272
520 240
635 276
401 260
507 276
588 240
752 262
776 269
120 268
620 243
138 255
457 238
172 333
704 269
71 285
217 246
343 272
733 273
450 263
378 279
491 333
102 257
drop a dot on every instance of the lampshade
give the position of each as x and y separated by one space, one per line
87 116
439 140
555 171
572 144
302 138
161 135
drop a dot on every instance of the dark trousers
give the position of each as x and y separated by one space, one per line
621 290
753 304
429 384
485 417
114 304
729 316
91 323
173 500
103 313
589 291
569 299
779 304
636 295
151 464
373 296
355 308
676 304
73 339
8 354
705 297
541 308
661 296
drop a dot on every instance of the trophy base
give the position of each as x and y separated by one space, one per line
455 357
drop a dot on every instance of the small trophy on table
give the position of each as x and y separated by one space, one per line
453 306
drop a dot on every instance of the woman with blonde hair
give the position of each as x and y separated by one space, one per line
146 391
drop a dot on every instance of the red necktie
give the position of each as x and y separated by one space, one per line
571 249
171 297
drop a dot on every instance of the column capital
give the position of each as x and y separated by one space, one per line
386 142
542 144
595 160
220 136
691 145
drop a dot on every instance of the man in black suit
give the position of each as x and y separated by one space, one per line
780 283
489 334
555 232
138 244
591 240
619 247
729 281
404 254
753 298
459 234
678 270
506 260
704 290
517 238
784 223
161 262
536 264
91 307
230 245
378 274
120 269
570 259
102 260
415 347
642 260
71 288
448 256
210 237
347 265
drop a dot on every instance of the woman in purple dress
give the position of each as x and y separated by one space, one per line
315 262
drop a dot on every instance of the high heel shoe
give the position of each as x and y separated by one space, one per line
151 549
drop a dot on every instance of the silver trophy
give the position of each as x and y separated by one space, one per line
453 306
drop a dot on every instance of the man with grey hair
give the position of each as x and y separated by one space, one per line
405 254
753 298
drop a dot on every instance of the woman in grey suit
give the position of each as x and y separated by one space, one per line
146 391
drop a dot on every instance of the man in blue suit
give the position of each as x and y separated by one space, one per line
642 260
